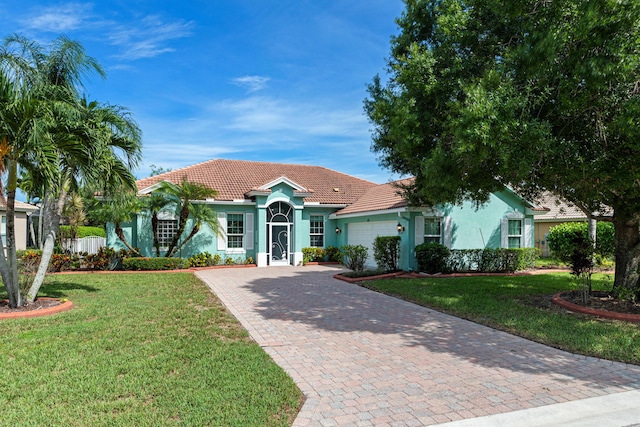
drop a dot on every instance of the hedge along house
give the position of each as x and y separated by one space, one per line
506 221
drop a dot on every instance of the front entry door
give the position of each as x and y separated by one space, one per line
279 244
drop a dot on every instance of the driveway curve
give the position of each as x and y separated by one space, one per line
365 359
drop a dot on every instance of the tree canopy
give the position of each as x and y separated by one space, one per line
536 95
56 139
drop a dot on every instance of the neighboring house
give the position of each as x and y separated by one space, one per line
22 210
558 211
270 211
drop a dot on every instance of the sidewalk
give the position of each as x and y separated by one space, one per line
366 359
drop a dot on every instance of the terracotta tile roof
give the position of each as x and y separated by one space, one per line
382 197
233 179
559 209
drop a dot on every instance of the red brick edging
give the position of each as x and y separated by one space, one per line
67 305
181 270
360 279
557 299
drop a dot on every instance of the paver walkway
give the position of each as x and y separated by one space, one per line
366 359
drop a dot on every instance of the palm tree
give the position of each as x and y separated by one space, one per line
24 119
46 126
118 210
91 139
183 196
154 203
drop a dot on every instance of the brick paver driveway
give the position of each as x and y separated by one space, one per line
362 358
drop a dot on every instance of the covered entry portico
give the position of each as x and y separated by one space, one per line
280 204
279 226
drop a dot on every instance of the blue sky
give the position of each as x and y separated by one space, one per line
271 80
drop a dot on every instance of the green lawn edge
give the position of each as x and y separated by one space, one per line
500 302
145 350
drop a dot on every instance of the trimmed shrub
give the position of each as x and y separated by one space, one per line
386 252
144 263
333 254
313 254
435 258
83 231
491 260
200 260
562 237
355 257
64 262
432 258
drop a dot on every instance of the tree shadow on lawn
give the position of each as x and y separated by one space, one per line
60 289
316 299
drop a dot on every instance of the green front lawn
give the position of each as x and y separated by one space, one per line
138 350
505 303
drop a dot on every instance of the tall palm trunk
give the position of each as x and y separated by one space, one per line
182 222
154 230
11 276
5 271
47 249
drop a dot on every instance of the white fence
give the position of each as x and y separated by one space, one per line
89 244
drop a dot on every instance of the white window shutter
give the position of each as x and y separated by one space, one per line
527 233
448 231
419 230
222 236
504 232
248 235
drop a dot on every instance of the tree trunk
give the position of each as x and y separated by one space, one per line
120 233
154 230
47 249
195 230
12 261
10 276
591 230
32 231
182 222
627 229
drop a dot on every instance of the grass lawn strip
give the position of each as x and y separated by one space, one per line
501 302
144 350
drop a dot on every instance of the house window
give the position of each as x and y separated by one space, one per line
167 229
235 231
317 231
432 230
515 233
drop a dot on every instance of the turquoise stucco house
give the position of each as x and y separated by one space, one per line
270 211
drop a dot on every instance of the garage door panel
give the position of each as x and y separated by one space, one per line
364 233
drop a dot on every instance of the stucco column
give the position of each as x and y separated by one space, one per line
261 237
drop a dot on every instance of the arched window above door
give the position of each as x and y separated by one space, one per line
280 212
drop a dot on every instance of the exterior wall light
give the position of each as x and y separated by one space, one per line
338 231
400 228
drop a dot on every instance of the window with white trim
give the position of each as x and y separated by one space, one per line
167 229
235 231
515 233
316 236
432 230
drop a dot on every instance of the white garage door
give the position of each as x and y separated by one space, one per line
364 233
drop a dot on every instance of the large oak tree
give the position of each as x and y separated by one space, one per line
533 94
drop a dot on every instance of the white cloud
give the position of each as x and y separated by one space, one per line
65 17
149 37
251 83
265 115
